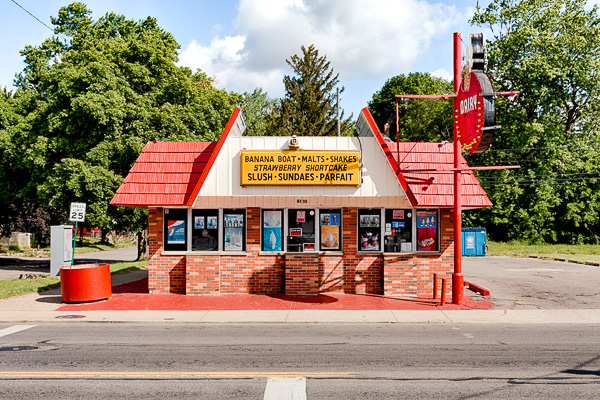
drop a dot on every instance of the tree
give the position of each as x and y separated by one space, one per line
420 120
549 50
257 108
309 106
88 101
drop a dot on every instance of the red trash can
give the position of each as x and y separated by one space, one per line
85 282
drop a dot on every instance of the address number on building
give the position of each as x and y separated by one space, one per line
77 212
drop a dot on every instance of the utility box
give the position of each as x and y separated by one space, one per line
61 248
474 241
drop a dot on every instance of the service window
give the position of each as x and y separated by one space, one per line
330 229
301 230
205 230
175 229
369 229
398 230
234 230
272 230
427 230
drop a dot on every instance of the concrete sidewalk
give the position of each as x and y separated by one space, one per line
44 308
47 307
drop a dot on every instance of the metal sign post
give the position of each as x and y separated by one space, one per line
76 214
474 123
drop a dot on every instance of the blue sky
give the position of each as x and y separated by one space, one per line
244 43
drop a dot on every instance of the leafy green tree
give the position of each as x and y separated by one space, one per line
91 97
309 107
257 108
549 50
419 120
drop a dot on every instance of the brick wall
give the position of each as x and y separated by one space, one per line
351 273
412 275
252 272
302 274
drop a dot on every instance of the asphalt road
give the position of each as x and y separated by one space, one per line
337 361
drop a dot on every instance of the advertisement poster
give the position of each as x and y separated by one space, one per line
234 220
330 237
176 234
272 231
198 222
212 222
300 216
427 231
427 219
374 221
365 220
369 241
233 239
398 214
426 239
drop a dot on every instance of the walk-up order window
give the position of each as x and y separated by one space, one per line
205 230
369 229
398 230
175 229
301 230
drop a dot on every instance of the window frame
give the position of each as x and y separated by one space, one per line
425 236
175 215
234 220
364 228
278 232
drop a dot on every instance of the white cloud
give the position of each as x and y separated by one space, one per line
442 73
374 39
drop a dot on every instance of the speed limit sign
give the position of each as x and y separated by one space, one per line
77 213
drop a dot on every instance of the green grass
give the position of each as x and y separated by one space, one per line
575 252
88 246
18 287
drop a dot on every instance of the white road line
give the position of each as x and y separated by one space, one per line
285 389
14 329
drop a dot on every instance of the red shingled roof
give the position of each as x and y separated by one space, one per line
172 173
165 174
432 181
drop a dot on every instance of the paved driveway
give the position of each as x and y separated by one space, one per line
13 267
525 283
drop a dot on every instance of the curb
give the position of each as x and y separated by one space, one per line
593 264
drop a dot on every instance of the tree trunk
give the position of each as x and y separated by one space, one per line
107 238
142 244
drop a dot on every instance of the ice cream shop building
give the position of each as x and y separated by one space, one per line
298 216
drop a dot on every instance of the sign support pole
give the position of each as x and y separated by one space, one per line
74 240
458 282
457 276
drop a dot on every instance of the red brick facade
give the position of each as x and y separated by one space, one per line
298 273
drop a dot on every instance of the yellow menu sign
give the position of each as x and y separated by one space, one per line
300 167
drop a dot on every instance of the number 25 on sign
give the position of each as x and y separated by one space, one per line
77 213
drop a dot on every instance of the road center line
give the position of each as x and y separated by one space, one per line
14 329
167 375
285 389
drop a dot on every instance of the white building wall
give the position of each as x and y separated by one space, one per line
379 188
